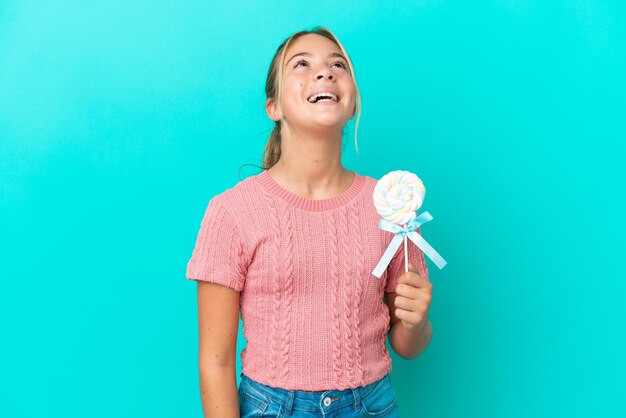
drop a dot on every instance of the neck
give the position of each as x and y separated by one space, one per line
310 162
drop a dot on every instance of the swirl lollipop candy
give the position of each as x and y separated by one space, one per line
397 196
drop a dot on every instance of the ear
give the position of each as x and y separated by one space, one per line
271 108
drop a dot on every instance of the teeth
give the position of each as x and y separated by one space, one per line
313 98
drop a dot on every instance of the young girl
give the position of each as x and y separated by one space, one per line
293 249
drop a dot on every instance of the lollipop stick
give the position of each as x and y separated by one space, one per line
406 257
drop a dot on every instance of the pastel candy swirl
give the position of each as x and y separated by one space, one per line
398 195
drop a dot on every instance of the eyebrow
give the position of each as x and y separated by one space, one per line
306 54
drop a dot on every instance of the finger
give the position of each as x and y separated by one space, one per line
409 316
408 291
414 279
408 277
423 282
419 305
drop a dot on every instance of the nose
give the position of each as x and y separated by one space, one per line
324 72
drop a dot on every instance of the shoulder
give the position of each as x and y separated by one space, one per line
237 192
239 199
369 183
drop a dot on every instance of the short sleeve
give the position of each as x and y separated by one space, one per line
396 266
219 255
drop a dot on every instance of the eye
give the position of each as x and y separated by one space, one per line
340 63
299 62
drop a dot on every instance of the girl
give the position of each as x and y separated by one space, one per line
292 249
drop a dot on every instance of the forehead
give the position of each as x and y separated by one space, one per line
311 43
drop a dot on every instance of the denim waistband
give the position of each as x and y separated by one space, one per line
310 401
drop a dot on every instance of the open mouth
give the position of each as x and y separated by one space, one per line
324 96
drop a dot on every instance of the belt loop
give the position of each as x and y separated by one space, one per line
357 399
289 403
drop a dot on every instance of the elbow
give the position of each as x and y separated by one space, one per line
216 364
216 372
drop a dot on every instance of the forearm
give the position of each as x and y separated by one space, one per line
409 344
218 390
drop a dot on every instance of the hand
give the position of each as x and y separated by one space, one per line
414 294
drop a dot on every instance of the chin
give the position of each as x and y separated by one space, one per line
327 126
330 122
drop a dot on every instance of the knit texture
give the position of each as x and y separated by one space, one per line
313 313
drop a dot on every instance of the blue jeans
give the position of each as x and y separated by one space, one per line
377 399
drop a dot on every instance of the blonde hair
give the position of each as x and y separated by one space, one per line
273 90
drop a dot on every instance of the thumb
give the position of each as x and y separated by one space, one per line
412 268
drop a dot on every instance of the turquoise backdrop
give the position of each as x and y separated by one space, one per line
119 120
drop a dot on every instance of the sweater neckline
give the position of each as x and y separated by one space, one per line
314 205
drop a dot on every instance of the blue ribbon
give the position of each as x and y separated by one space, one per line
409 231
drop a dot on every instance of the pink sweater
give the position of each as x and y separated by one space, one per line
313 314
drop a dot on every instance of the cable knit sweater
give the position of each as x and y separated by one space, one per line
313 314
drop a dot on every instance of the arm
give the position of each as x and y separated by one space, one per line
407 344
218 323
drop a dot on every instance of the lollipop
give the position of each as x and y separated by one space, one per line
397 196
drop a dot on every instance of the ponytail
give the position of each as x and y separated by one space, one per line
271 154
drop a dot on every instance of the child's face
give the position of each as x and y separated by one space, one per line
322 67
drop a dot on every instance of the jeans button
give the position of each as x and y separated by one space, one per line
327 401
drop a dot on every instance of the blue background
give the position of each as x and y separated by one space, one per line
119 120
